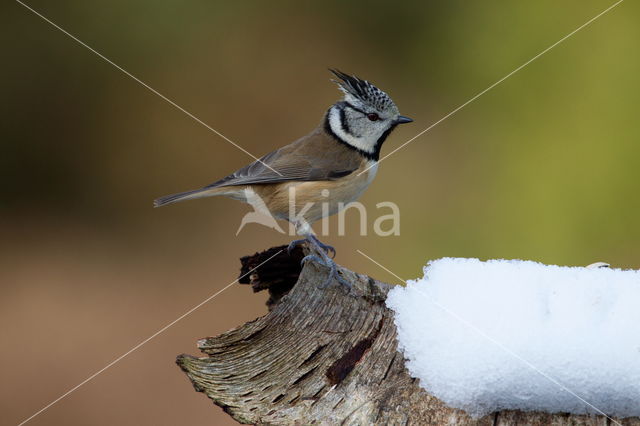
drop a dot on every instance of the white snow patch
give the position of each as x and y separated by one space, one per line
487 336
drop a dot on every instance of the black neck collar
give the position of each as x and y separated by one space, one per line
375 155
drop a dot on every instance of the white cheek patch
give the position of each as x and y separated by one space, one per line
360 143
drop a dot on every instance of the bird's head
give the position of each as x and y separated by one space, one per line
364 117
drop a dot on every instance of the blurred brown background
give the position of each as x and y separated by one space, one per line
543 167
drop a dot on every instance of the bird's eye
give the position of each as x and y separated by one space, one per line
373 116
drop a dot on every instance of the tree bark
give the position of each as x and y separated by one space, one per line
323 356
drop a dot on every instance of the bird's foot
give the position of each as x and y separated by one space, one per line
293 244
333 271
326 247
314 241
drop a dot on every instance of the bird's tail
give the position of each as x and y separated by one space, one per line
188 195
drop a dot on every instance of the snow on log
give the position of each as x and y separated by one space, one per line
520 335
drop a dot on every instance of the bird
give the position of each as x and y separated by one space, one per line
331 166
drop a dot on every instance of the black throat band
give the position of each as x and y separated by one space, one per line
375 155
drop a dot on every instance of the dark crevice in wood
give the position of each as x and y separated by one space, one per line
313 355
317 394
227 409
304 376
337 331
341 368
386 372
260 374
254 334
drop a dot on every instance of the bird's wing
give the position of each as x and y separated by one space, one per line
303 160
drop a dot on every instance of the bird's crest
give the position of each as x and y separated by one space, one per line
363 91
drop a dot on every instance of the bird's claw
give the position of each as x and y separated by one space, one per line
331 251
293 244
326 247
313 257
333 272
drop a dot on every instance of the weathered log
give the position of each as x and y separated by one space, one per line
323 356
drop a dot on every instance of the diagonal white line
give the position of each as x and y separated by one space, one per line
146 86
136 347
382 266
495 84
494 341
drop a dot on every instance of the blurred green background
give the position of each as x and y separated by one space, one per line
543 167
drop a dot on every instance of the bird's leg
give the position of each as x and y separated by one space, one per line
318 254
326 247
295 243
323 258
312 239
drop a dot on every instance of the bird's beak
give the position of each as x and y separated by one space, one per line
402 119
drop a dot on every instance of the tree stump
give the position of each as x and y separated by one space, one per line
322 356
